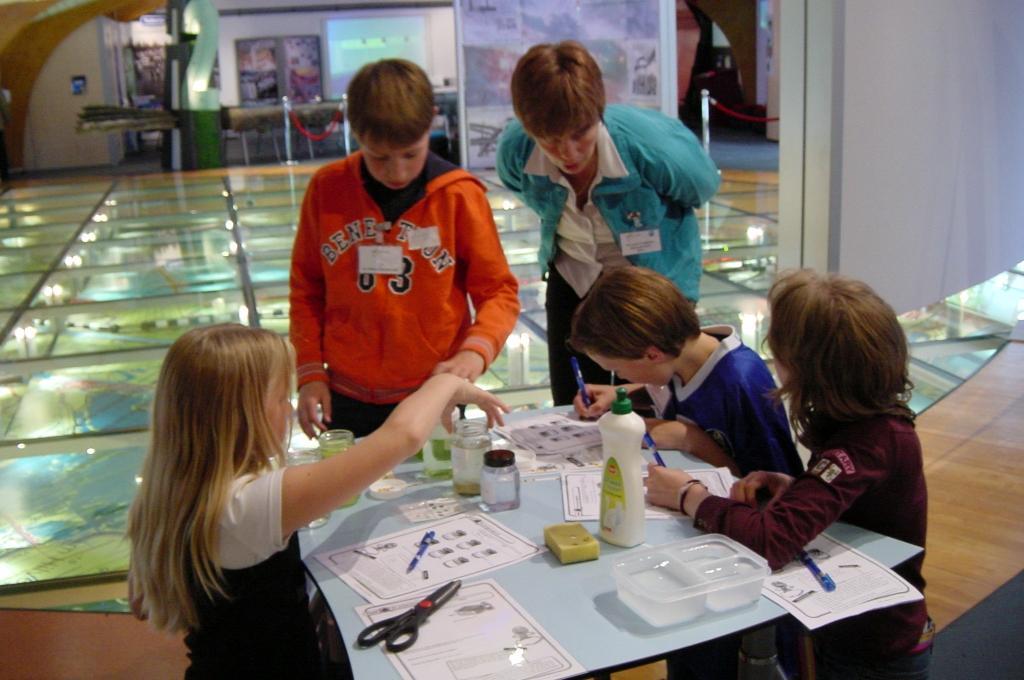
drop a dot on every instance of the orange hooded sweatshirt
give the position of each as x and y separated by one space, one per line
381 335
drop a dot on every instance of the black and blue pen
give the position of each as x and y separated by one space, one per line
424 544
654 450
579 381
821 577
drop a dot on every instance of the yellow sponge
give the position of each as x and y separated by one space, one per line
571 542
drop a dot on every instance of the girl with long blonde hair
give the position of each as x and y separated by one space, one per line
212 528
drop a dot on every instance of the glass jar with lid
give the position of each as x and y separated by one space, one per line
470 442
499 481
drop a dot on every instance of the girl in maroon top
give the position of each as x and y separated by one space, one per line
841 358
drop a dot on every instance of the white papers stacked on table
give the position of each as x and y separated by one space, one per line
561 442
581 493
480 633
465 545
862 584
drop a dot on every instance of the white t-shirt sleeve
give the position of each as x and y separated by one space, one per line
250 526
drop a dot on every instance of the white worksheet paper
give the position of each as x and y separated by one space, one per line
581 493
480 633
862 584
552 433
464 546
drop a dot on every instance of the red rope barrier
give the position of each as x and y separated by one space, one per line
741 116
328 131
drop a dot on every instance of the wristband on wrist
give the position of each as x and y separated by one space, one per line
685 489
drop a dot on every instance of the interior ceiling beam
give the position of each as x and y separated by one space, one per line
135 9
14 16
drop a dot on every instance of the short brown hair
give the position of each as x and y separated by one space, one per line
630 309
557 89
390 101
842 349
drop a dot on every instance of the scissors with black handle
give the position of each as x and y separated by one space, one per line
400 632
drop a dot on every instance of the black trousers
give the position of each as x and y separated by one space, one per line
4 170
359 416
560 304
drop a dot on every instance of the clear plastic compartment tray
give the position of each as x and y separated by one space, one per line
678 582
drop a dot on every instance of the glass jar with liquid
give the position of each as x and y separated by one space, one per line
306 457
469 444
437 454
333 442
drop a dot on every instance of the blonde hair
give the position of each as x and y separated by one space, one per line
557 90
209 427
630 309
843 353
390 101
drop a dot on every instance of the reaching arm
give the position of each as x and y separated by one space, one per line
673 434
310 491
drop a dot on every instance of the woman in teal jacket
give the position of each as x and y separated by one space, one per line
612 186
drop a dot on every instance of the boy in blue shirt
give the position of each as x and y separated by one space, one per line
713 397
711 393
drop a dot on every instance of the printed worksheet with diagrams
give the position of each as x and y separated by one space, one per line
581 493
463 546
560 442
480 633
862 584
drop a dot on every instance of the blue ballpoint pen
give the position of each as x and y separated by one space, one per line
424 544
824 579
654 449
579 381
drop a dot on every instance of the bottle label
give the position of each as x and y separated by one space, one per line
613 496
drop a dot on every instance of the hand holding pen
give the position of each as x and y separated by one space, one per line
821 577
424 544
582 386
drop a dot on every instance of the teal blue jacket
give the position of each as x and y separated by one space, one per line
669 176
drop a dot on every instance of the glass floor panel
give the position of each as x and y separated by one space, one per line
23 238
95 329
77 367
47 191
76 535
756 202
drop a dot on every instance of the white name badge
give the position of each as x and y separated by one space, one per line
639 242
380 260
423 237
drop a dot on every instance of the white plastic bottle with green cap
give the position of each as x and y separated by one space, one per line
622 485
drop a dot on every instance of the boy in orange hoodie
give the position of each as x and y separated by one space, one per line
393 243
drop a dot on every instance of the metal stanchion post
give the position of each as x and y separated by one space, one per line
287 105
705 121
346 131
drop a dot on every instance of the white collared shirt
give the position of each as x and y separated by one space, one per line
585 243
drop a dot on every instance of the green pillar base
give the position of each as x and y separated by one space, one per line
200 139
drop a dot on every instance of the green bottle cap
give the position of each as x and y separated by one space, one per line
622 405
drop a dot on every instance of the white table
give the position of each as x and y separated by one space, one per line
576 604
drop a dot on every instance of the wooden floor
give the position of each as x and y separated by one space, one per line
974 463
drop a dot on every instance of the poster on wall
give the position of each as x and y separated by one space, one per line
302 67
623 35
257 71
148 65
